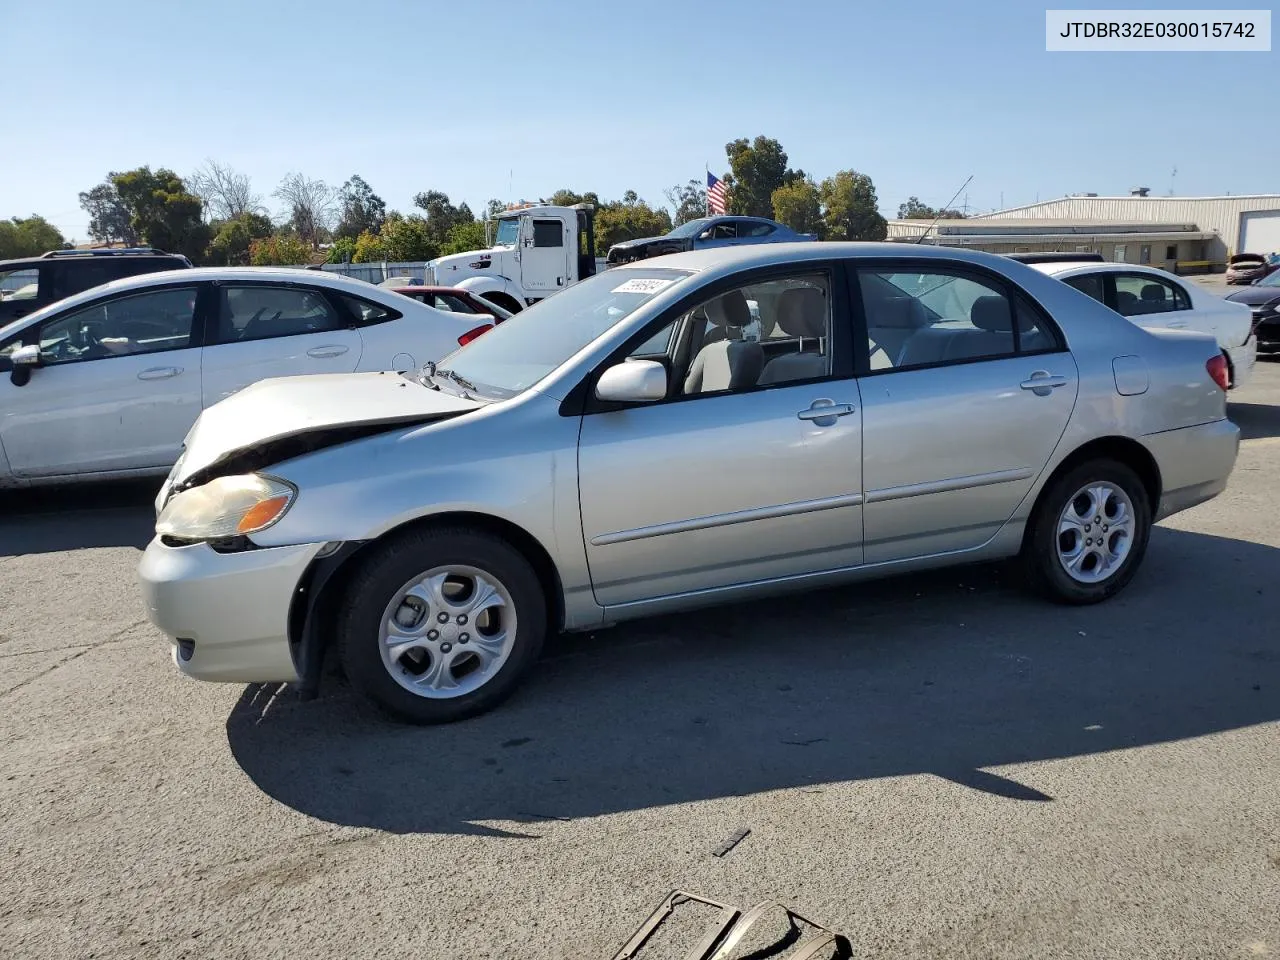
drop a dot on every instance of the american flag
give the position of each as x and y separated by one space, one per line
717 195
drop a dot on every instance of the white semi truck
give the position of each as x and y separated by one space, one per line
535 252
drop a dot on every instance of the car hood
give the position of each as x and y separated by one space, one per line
1246 260
1255 296
278 419
638 242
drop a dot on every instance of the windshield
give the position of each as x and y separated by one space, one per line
508 232
1271 280
521 351
690 229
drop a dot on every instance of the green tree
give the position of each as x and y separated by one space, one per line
441 215
849 207
108 215
628 219
758 168
370 249
342 250
913 209
464 237
689 201
361 209
233 238
29 237
493 209
408 238
799 205
567 198
162 211
279 250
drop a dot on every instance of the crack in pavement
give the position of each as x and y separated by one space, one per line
118 635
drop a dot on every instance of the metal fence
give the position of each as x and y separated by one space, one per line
377 272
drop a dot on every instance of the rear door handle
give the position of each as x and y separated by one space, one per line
159 373
1176 324
328 350
1042 382
825 412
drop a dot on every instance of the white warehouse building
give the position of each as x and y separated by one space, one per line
1186 234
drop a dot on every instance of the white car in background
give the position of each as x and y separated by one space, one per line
107 383
1154 298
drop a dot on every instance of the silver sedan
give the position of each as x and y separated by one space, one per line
648 441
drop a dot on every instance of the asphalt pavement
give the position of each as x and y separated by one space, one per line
936 765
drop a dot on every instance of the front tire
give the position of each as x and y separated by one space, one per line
440 625
1089 533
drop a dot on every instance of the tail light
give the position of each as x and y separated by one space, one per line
473 334
1218 371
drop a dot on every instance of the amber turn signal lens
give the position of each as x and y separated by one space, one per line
262 514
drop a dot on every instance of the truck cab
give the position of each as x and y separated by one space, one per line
534 252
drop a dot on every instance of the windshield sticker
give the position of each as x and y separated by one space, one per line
643 285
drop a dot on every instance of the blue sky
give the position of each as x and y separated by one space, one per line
513 100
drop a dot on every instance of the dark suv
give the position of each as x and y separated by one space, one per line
35 282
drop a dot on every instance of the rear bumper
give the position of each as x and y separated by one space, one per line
1242 360
1195 463
232 607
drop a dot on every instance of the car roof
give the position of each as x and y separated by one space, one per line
1094 266
731 259
143 281
71 256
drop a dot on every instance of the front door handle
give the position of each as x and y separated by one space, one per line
1042 382
824 412
159 373
1176 324
328 350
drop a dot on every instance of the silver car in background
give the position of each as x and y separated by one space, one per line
646 442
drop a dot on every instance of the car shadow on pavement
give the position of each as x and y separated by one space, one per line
1255 420
73 517
949 673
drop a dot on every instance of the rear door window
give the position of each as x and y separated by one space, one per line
259 312
1140 294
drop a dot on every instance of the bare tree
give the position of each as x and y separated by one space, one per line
311 206
226 192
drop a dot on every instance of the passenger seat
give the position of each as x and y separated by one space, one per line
726 364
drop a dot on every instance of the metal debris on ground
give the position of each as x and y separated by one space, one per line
767 930
735 838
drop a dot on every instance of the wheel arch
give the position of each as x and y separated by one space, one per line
1124 450
314 606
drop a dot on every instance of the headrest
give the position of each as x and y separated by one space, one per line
902 313
1124 296
802 312
1153 291
730 310
991 313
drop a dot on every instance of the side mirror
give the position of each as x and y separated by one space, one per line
705 235
24 360
633 381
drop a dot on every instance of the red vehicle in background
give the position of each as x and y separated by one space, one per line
454 300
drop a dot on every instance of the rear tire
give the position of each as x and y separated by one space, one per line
441 624
1089 533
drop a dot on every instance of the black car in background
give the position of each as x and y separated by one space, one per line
35 282
1263 298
